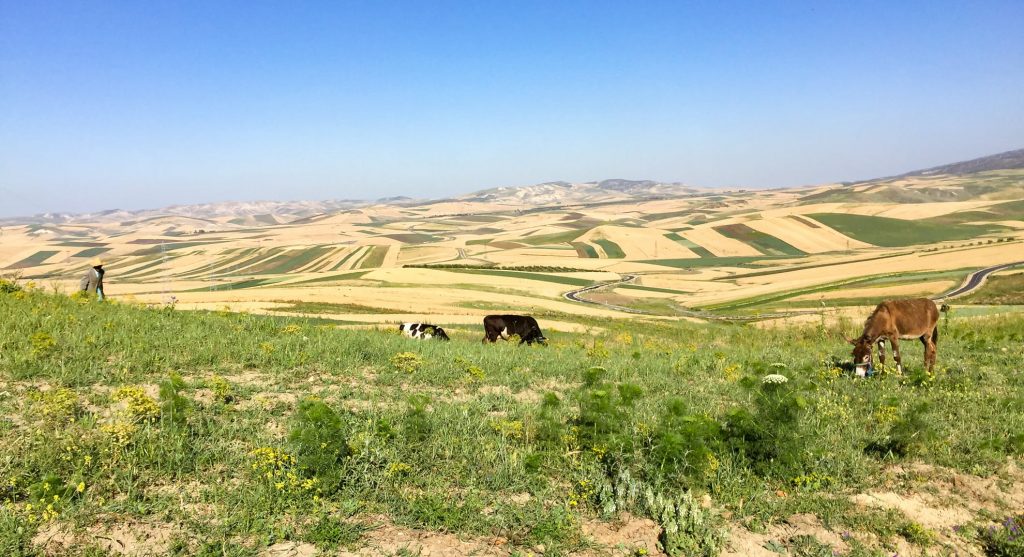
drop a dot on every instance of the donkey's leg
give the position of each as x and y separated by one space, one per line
881 351
894 341
929 351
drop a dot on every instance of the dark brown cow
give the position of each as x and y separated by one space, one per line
504 326
893 320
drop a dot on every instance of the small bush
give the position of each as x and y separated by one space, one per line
684 443
173 407
320 441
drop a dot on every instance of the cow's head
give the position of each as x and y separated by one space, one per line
440 334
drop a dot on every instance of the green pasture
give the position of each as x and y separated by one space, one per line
239 431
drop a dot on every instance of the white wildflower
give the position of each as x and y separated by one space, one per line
774 379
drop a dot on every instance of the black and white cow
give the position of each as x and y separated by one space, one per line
422 331
504 326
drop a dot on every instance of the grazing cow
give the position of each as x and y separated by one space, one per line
894 320
422 331
504 326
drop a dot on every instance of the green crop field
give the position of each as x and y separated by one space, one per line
699 250
584 250
765 243
37 258
91 252
611 249
374 258
888 232
228 433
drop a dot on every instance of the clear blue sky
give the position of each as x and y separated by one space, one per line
142 104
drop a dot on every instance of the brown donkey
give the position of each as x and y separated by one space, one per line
893 320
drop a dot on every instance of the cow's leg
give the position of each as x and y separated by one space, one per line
881 351
894 341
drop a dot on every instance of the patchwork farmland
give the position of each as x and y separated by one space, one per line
737 252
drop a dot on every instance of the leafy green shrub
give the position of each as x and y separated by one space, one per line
769 437
684 443
604 411
320 442
417 422
173 407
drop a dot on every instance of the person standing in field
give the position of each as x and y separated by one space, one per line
92 282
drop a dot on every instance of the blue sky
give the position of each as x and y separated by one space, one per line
143 104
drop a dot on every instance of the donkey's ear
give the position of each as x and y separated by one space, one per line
846 338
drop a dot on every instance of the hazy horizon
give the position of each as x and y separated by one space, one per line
142 106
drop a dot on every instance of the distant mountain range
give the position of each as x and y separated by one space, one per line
565 193
1002 161
263 213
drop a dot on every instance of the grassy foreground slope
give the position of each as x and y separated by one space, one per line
223 433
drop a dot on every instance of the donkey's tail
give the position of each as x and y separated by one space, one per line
935 335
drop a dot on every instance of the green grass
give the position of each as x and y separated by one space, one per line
887 232
765 243
611 249
639 416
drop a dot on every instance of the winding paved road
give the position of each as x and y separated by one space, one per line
976 279
574 295
973 281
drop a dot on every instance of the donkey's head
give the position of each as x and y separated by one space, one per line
861 352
